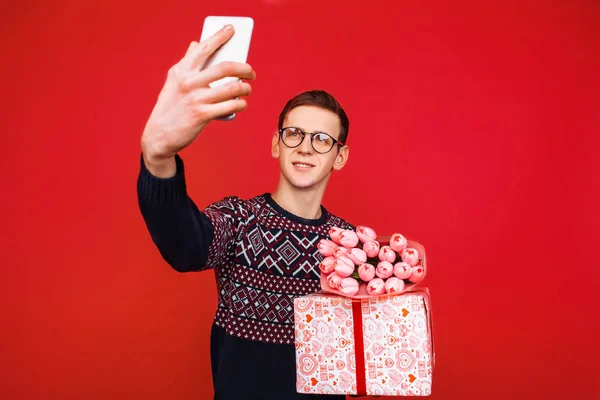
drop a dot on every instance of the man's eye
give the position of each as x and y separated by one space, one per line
323 139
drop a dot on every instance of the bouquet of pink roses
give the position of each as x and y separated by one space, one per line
357 265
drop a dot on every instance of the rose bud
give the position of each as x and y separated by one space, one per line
371 248
334 280
348 239
410 256
384 270
348 286
357 256
334 234
327 265
366 272
394 285
340 252
387 254
418 273
365 234
398 242
376 286
327 247
344 267
402 270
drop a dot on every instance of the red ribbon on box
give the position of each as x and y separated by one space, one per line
359 348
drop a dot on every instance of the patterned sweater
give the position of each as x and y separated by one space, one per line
262 256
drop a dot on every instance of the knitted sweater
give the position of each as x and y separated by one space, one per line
262 256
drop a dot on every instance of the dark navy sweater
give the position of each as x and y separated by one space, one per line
262 257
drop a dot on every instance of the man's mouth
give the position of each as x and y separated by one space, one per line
302 165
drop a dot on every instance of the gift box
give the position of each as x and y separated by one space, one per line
364 346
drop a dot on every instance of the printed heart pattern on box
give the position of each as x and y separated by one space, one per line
308 364
397 345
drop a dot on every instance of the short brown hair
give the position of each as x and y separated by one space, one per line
322 99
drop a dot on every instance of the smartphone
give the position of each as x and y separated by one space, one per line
235 49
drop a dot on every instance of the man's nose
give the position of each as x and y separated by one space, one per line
305 146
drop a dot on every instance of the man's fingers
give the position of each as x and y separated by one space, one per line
190 48
224 92
224 108
207 47
225 69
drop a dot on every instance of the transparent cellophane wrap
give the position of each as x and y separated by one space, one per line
362 293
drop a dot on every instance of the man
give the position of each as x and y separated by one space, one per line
263 250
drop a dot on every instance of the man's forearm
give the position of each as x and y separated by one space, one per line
179 230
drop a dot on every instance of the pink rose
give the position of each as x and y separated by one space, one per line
348 286
327 247
344 267
357 256
410 256
387 254
365 234
327 265
366 272
334 280
376 286
334 234
348 239
394 285
418 273
340 252
371 248
402 270
384 270
398 242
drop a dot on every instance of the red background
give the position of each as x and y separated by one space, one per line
474 127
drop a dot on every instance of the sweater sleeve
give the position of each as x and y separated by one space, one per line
181 232
229 217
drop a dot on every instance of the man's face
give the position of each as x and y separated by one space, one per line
302 166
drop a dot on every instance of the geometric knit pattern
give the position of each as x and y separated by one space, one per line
262 260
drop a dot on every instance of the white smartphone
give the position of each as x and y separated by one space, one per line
235 49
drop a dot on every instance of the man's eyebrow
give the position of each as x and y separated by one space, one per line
317 131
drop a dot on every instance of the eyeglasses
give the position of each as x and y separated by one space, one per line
321 142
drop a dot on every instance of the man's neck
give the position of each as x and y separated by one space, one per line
304 203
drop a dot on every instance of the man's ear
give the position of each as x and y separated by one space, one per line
341 158
275 145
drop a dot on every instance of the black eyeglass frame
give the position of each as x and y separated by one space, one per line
312 136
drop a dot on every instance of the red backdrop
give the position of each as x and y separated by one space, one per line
480 119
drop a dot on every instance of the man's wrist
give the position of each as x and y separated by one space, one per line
159 165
